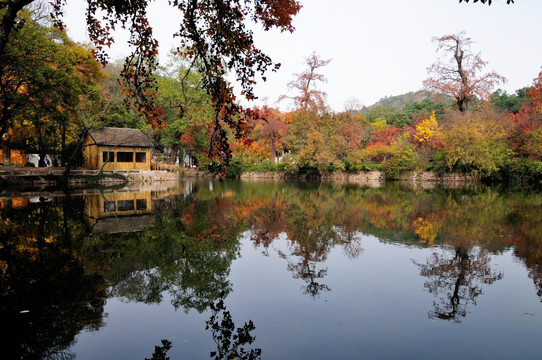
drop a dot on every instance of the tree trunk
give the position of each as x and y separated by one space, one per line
173 155
181 156
42 149
69 162
63 140
6 156
273 152
8 21
41 162
463 104
5 119
463 101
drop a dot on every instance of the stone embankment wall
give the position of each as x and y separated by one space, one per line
173 174
373 178
370 178
46 177
23 177
152 176
80 181
428 180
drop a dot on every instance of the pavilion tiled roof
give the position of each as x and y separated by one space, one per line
109 136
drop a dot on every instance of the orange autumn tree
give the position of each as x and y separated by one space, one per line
458 73
267 135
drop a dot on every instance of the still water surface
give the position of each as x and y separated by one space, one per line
273 271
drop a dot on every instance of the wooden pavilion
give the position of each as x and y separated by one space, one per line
117 149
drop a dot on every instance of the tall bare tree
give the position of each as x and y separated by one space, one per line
458 72
307 96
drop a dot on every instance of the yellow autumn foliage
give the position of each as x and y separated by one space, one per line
428 130
379 124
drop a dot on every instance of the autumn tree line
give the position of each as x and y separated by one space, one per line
466 126
53 90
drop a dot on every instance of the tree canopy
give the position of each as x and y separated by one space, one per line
43 78
214 37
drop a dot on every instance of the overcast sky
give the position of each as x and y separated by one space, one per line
378 47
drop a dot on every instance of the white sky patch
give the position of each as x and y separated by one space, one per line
378 48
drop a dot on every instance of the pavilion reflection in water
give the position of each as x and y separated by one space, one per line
118 212
14 203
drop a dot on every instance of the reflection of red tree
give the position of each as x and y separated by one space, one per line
267 222
313 227
351 230
384 212
202 221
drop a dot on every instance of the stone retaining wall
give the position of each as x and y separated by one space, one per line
373 178
427 176
153 176
369 178
47 177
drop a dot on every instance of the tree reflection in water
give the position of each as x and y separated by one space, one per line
535 273
528 246
314 223
231 341
457 280
308 271
160 352
47 297
185 252
267 222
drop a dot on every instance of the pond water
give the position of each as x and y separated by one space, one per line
273 271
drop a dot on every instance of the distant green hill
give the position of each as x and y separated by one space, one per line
399 101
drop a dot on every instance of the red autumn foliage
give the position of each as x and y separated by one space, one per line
385 136
527 121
